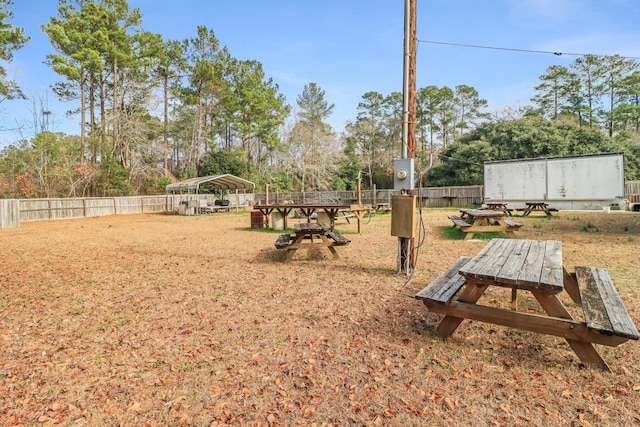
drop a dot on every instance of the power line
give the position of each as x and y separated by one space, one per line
548 52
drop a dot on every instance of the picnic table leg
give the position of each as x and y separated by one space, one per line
332 213
470 234
470 294
331 248
584 350
292 251
360 216
514 299
571 286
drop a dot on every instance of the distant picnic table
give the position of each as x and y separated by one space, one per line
500 207
307 210
473 221
537 207
310 235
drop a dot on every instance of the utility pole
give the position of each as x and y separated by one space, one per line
411 89
406 246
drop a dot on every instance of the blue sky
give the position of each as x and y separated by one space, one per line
350 47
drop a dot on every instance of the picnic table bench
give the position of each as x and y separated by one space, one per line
536 267
310 235
457 220
382 207
482 221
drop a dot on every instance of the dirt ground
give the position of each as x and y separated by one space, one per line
155 320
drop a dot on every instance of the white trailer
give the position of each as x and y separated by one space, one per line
594 181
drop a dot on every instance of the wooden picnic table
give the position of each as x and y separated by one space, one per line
533 266
537 207
309 209
473 221
500 207
309 235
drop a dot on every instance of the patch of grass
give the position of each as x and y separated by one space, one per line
588 227
452 233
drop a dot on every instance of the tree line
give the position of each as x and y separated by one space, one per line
152 111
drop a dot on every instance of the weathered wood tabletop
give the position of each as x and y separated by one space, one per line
521 264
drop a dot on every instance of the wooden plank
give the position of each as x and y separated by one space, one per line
552 271
603 309
583 349
485 228
525 264
563 328
458 221
283 241
445 286
571 286
484 265
516 263
530 274
338 238
447 326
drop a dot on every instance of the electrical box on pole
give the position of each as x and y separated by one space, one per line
403 174
403 216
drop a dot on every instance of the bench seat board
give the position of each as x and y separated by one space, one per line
283 241
446 285
458 221
338 238
512 223
602 306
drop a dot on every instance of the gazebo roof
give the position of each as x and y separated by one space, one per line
225 182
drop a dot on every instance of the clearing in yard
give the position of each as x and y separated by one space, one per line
177 320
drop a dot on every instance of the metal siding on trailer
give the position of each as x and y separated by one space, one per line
586 178
518 181
590 180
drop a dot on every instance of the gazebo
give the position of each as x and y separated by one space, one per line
193 187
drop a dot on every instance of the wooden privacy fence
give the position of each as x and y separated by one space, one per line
14 211
9 213
49 209
431 197
632 191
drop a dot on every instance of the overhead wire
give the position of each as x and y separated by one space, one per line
547 52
